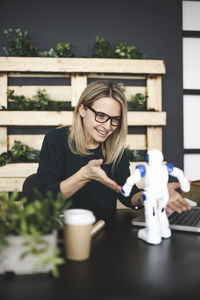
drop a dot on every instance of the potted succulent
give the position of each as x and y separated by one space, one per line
28 233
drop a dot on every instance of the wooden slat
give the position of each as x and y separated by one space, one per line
146 118
95 65
12 176
22 170
31 140
18 170
136 141
3 89
38 75
3 139
55 92
118 76
36 118
61 118
154 91
11 184
78 83
154 138
3 102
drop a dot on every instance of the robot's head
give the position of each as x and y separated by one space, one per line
154 157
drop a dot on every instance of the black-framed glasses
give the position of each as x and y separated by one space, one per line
101 117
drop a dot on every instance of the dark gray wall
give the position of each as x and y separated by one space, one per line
154 26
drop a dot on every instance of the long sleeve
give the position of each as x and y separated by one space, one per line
52 161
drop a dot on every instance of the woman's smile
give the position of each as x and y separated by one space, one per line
102 133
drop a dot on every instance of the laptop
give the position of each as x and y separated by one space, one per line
186 221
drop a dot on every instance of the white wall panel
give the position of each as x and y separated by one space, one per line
191 80
192 166
191 15
191 63
191 115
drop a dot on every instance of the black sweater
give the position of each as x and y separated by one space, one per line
57 163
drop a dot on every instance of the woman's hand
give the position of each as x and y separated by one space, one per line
93 171
176 201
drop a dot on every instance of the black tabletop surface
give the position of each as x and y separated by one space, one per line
120 267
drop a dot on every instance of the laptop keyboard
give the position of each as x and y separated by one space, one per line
187 218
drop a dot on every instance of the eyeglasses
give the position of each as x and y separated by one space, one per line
101 117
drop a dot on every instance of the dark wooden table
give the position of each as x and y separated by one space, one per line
120 267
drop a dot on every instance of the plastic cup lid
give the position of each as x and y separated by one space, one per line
79 217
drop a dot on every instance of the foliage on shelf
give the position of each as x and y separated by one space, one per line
135 155
23 153
61 49
40 101
19 153
103 49
18 43
137 102
32 221
124 51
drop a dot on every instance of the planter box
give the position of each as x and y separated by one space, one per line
10 256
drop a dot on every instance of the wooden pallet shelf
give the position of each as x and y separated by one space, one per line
143 76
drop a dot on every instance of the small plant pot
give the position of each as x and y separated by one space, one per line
10 260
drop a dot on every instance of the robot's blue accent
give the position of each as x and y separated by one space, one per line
170 167
123 191
144 196
147 158
142 169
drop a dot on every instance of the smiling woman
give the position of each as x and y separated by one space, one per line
102 96
88 164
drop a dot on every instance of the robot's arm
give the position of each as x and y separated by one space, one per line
178 173
133 179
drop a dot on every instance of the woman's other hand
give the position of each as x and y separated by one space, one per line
176 201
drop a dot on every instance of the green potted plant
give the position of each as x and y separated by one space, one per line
28 233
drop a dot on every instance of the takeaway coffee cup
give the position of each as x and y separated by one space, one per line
77 233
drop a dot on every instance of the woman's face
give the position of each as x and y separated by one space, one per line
96 133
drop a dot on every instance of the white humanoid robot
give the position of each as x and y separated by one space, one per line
155 194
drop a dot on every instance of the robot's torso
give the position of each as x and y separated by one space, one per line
156 180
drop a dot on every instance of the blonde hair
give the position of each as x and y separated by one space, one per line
113 146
